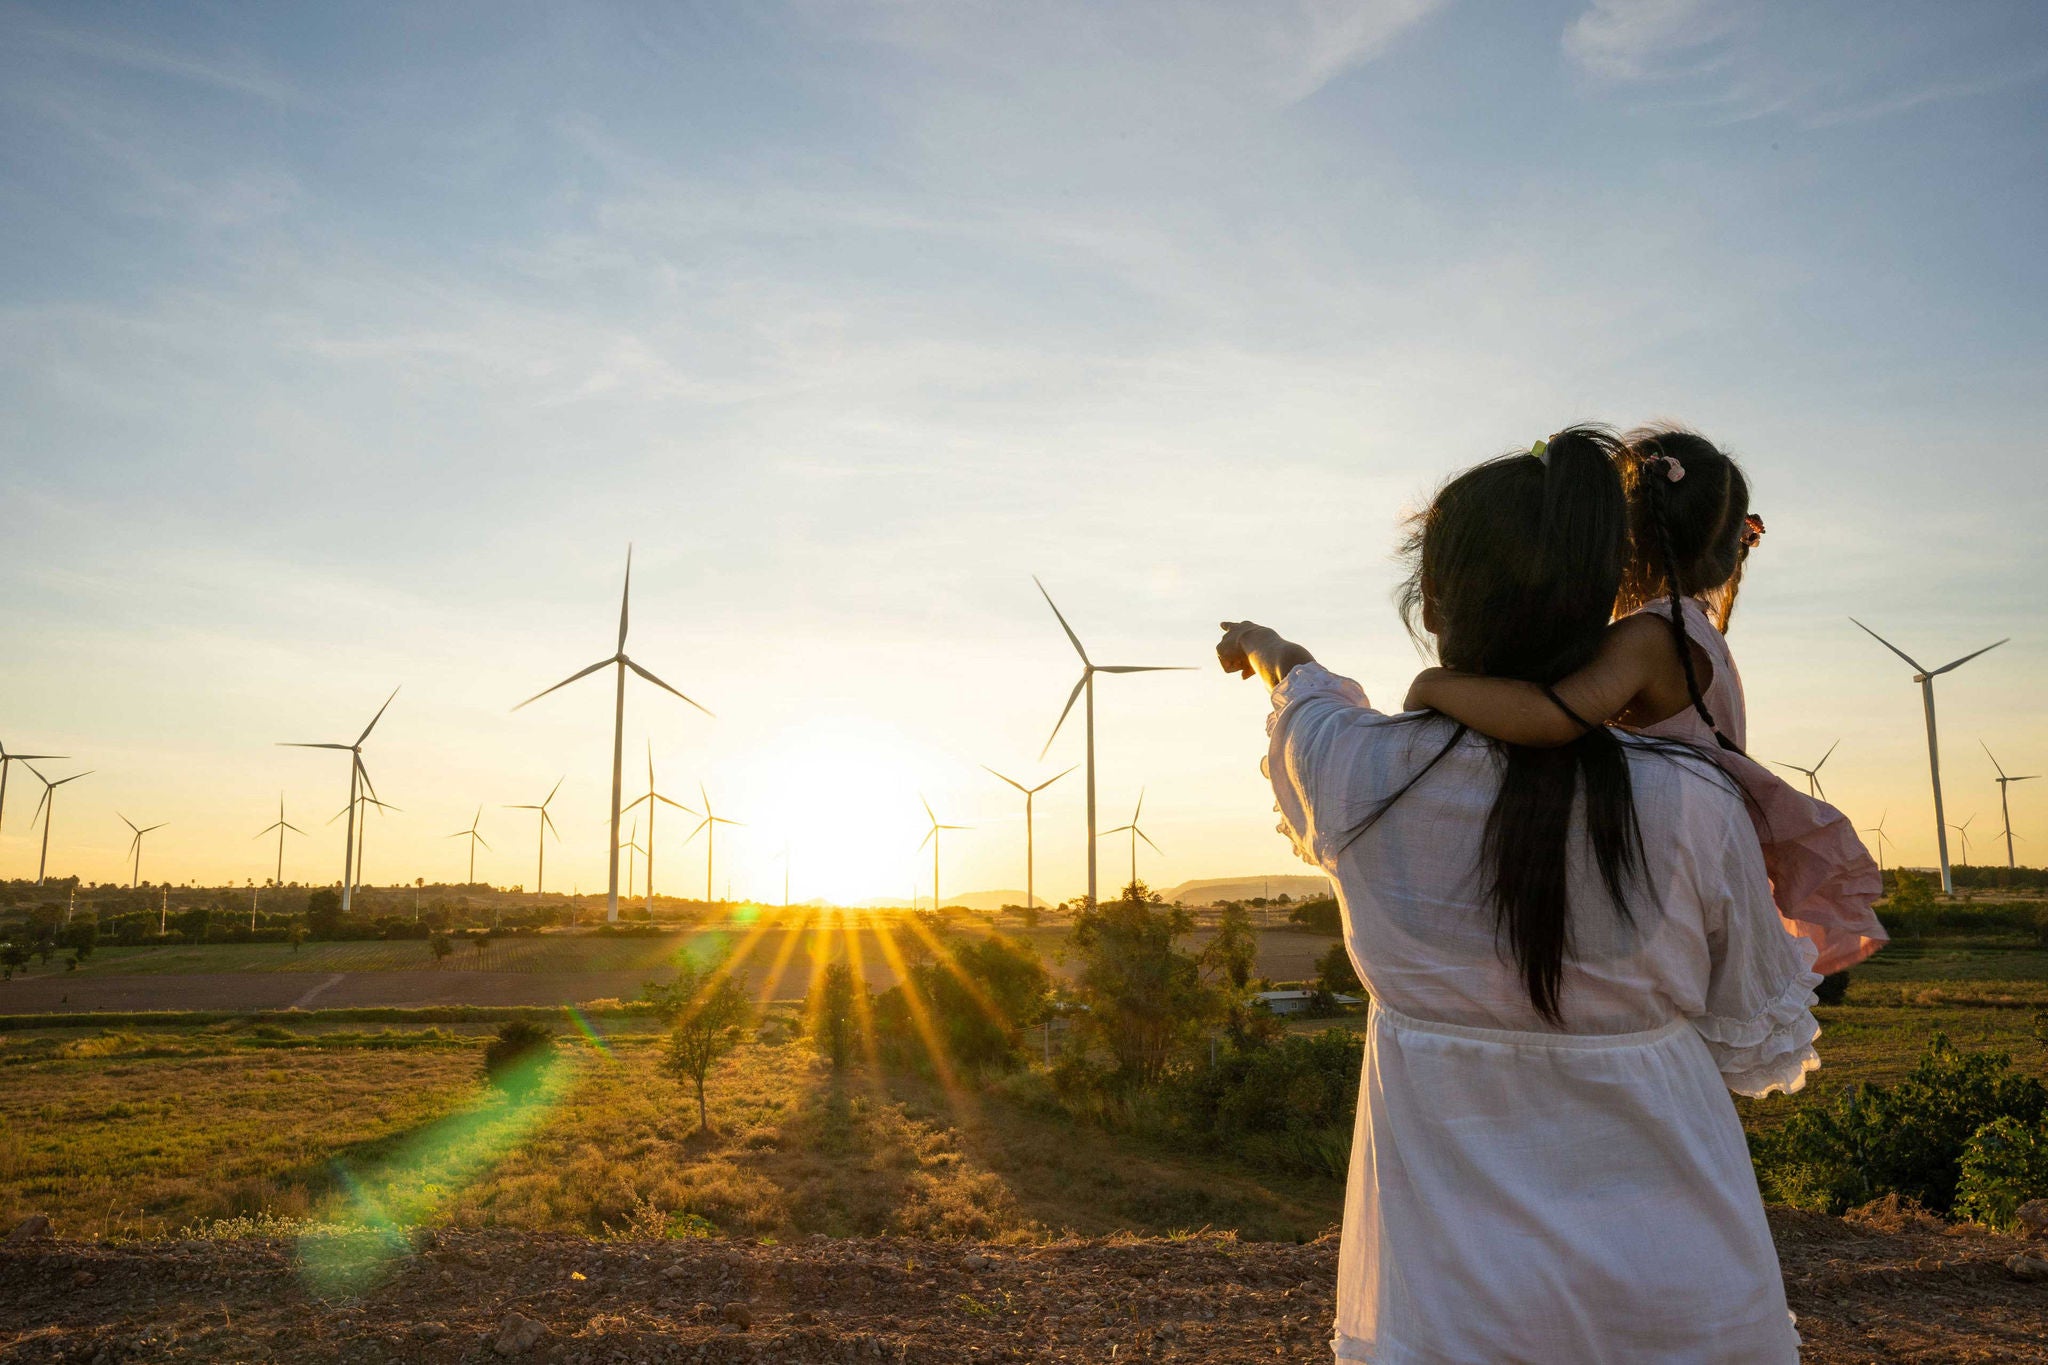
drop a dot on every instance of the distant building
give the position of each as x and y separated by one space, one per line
1299 1002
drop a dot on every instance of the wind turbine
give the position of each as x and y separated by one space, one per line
474 839
1813 787
652 798
135 847
1087 684
362 826
546 824
632 847
1030 857
1963 833
2004 807
7 759
708 826
619 661
1881 841
281 826
931 836
1925 677
1135 833
47 809
358 779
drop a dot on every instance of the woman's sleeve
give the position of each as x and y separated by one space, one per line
1758 1020
1305 759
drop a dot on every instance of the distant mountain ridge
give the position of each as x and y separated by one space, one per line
1206 891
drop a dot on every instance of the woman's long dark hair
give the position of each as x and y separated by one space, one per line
1514 568
1685 536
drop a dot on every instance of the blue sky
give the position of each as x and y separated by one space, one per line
347 346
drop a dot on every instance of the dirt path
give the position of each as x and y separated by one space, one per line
1899 1291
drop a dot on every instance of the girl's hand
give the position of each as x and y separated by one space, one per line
1247 648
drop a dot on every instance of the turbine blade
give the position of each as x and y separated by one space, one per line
1966 658
1120 829
293 828
928 812
1917 668
349 747
662 685
677 804
1011 780
601 663
1140 810
552 790
1072 697
1148 839
1792 766
379 716
1993 757
1147 668
125 820
548 822
155 826
1072 638
1826 756
625 597
929 835
480 839
636 801
1050 780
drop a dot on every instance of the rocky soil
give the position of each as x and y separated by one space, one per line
1886 1285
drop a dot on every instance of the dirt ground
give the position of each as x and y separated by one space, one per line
1879 1288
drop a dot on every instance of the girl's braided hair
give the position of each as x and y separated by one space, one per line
1687 504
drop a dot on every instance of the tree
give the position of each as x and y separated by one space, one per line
518 1058
441 948
705 1008
1146 999
975 1001
13 957
1230 955
1318 916
295 935
81 936
1335 974
323 913
481 942
830 1012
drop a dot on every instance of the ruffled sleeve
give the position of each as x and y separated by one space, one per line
1758 1018
1312 711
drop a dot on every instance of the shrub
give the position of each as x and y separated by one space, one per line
1286 1105
976 999
517 1059
1905 1139
1146 999
1334 973
1832 988
1319 916
829 1012
2004 1166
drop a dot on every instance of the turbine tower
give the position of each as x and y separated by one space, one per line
281 826
5 760
1880 842
47 809
621 663
1030 857
1136 834
931 836
541 835
1087 684
474 839
1813 787
652 798
2005 807
363 803
633 847
1925 677
358 780
708 827
135 847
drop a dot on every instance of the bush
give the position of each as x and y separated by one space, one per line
1334 973
1906 1139
1319 916
517 1060
830 1012
977 1001
1287 1105
2004 1166
1832 988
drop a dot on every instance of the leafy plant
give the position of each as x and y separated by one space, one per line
2004 1166
705 1008
517 1059
829 1012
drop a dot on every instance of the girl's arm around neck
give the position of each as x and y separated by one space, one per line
1635 655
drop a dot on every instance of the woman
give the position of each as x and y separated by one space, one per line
1573 956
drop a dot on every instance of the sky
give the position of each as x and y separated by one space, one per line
347 347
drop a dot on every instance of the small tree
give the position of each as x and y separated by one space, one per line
1146 998
1229 956
1335 974
323 912
705 1008
296 934
13 957
441 948
481 942
830 1012
517 1060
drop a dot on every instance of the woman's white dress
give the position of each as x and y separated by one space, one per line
1520 1192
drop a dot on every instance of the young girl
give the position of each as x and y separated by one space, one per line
1664 669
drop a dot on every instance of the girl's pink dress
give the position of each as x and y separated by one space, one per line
1822 877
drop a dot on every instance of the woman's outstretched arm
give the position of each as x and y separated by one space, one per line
1247 648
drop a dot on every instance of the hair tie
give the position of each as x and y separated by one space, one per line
1540 452
1673 470
1752 531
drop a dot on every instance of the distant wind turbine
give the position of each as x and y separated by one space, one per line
1813 787
474 839
363 802
652 798
1881 840
47 809
931 837
280 827
135 847
546 824
1030 855
358 781
633 847
1925 677
1963 833
2004 807
6 760
1136 834
1087 684
708 827
619 661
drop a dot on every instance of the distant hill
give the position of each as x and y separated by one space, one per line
1214 889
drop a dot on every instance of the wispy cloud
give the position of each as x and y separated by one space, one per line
234 73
